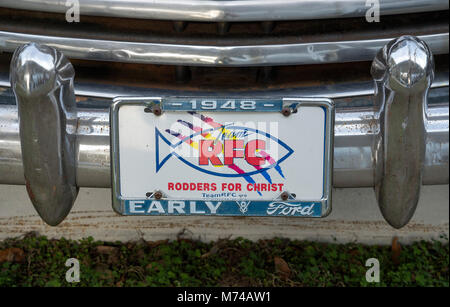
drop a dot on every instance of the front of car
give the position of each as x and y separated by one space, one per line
228 108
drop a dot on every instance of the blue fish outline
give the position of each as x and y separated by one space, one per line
159 165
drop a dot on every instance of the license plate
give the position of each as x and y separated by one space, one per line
226 157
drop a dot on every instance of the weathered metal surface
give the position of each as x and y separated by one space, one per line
403 71
42 80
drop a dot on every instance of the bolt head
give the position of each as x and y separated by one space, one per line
284 196
157 110
286 111
157 195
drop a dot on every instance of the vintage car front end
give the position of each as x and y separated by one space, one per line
383 85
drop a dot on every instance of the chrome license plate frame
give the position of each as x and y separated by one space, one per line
159 200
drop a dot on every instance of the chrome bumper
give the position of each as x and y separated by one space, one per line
355 131
364 153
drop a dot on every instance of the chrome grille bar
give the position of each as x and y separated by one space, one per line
217 11
204 55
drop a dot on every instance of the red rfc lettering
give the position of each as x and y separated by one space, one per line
232 149
250 152
207 155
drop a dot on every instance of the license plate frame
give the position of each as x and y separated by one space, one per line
285 204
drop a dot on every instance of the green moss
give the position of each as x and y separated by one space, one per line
236 262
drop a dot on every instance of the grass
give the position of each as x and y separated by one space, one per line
238 262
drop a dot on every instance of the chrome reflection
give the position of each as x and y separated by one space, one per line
215 55
226 10
42 81
403 72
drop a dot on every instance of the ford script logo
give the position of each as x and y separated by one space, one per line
290 209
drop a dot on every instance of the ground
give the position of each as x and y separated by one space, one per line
34 260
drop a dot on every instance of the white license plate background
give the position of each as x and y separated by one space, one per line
161 153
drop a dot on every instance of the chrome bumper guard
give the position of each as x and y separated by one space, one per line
395 148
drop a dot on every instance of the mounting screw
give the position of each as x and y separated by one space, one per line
157 195
284 195
156 110
286 111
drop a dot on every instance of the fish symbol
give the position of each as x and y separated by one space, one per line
218 132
